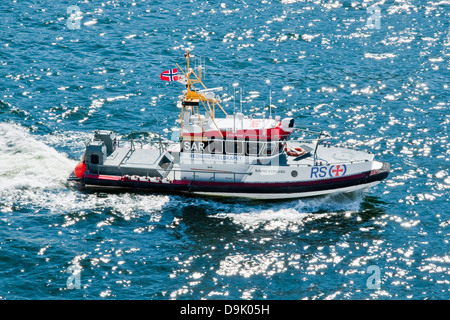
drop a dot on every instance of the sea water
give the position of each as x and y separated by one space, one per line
373 74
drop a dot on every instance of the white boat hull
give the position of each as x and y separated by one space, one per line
280 196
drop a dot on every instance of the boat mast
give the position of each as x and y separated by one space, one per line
193 98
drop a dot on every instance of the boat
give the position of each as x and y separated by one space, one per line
214 153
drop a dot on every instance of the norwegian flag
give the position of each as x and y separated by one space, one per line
170 75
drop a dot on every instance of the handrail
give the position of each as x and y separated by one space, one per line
213 173
132 141
298 131
308 130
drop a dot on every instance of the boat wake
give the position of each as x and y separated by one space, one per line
33 177
28 163
282 215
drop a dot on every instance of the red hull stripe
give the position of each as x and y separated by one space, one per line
102 177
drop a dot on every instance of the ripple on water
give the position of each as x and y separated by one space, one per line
385 90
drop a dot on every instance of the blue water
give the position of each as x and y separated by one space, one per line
385 89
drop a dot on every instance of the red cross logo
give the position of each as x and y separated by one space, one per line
338 171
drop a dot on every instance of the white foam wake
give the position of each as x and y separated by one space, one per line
33 175
282 215
26 162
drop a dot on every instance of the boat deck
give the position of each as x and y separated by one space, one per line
327 155
133 161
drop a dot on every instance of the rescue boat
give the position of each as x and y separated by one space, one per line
232 155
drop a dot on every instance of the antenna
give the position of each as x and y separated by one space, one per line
270 103
264 118
241 100
234 112
234 121
204 68
234 98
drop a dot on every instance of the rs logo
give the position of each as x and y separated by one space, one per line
333 171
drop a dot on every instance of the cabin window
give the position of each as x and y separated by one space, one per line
269 147
252 148
275 147
262 148
247 146
94 159
229 146
215 146
238 146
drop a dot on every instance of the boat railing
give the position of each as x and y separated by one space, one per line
158 142
307 135
197 175
319 137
